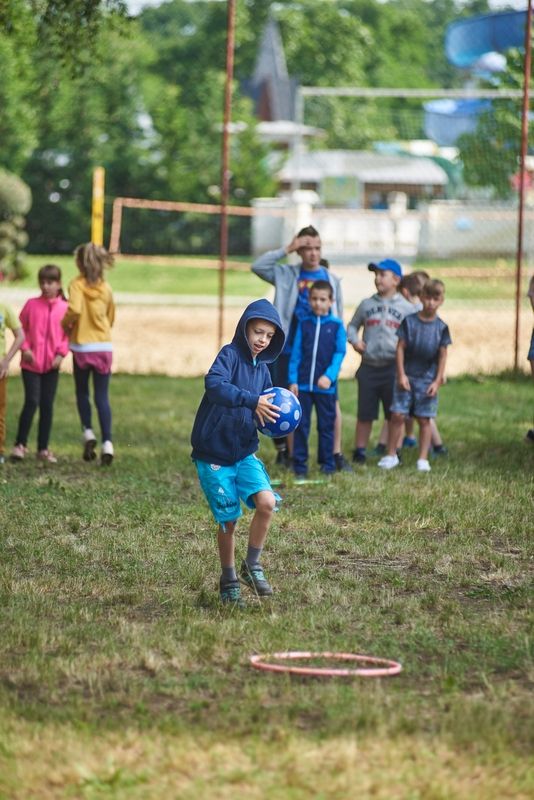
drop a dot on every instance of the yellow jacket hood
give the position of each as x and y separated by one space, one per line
91 312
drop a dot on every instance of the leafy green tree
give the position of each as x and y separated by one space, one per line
490 155
18 122
84 121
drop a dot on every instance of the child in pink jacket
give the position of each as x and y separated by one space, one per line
45 346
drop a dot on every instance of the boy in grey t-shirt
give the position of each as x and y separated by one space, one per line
380 317
421 357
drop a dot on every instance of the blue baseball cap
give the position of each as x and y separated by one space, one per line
387 263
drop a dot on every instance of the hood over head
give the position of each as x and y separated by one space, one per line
260 309
94 290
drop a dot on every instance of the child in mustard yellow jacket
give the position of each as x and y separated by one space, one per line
88 321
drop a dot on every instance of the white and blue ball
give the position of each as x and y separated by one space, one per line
290 413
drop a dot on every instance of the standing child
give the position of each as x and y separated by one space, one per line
421 357
380 316
411 287
8 319
318 351
291 288
225 438
88 321
44 348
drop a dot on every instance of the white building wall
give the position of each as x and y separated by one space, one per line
441 229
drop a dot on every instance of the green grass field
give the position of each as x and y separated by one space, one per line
165 278
121 677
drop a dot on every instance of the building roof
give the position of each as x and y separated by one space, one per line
366 166
284 130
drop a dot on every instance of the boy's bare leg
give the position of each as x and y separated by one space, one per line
384 433
265 503
251 569
425 436
363 432
396 423
226 544
435 439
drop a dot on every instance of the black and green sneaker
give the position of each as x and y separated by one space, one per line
230 592
255 579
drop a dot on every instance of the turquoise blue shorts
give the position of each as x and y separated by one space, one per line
225 487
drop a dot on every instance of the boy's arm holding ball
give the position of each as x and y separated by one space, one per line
265 411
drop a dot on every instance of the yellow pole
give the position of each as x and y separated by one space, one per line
97 216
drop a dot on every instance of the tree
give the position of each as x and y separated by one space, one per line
490 155
84 121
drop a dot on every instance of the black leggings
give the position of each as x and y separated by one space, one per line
100 387
39 392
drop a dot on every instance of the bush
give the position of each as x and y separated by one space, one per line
15 202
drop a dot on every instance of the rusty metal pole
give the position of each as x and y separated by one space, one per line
225 169
522 160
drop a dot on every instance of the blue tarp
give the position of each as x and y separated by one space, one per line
468 39
446 120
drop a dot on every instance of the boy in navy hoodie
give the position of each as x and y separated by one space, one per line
318 350
225 438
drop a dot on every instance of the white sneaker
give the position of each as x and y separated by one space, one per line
89 444
389 462
423 465
106 457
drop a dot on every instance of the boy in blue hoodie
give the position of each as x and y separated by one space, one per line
225 439
318 349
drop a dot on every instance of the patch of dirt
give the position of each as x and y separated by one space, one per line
175 340
182 340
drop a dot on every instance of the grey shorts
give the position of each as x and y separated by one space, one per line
416 402
375 386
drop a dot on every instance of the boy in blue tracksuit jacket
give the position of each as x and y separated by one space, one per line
318 350
225 439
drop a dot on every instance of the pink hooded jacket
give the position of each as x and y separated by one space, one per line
41 321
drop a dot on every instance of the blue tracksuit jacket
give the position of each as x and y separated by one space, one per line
318 349
225 429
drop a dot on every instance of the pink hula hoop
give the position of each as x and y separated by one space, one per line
384 667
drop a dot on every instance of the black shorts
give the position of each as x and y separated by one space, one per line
375 385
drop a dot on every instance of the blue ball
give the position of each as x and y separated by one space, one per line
290 413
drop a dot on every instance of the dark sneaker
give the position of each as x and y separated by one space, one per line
439 450
89 445
342 465
255 579
379 450
358 456
409 441
529 436
230 593
283 459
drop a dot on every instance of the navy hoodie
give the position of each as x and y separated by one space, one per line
225 428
